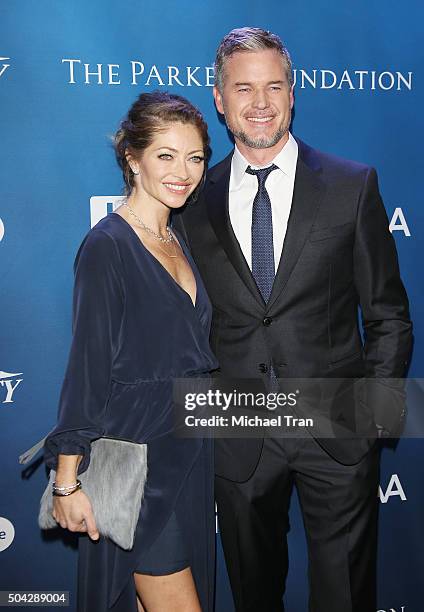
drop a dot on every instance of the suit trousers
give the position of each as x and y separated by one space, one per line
339 505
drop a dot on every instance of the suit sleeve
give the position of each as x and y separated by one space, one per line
384 306
98 304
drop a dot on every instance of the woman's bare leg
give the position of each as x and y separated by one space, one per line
172 593
139 606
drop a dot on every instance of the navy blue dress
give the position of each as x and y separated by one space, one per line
134 330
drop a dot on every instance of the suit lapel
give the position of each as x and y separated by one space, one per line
216 196
307 194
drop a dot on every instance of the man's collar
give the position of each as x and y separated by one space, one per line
285 160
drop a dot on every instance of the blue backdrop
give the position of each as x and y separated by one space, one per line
68 73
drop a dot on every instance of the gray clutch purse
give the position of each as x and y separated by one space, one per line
114 482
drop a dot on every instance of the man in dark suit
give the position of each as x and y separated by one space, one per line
290 242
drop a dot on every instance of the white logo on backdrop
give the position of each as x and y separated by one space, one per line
369 80
136 72
1 230
101 205
401 609
4 67
394 489
7 533
398 223
9 382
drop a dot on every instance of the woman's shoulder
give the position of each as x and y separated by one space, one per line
112 225
104 241
110 230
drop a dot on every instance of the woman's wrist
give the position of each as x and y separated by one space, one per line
67 470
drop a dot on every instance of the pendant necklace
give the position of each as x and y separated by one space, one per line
170 240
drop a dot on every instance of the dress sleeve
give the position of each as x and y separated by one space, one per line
98 306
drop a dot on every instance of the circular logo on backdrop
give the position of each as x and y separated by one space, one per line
7 533
1 230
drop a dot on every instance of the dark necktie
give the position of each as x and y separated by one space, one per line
263 266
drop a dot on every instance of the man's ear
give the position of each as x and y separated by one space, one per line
218 100
291 97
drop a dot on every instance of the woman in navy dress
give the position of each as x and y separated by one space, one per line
141 318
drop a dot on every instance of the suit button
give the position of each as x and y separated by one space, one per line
267 321
263 368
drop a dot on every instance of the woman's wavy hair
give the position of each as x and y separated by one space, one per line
152 113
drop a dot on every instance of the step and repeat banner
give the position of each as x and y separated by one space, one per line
68 73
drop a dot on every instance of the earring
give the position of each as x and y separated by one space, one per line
135 171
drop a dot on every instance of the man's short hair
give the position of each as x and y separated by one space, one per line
249 39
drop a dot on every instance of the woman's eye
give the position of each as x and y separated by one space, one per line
197 159
165 156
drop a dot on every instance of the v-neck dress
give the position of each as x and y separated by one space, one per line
135 330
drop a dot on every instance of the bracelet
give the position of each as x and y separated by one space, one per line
57 493
56 488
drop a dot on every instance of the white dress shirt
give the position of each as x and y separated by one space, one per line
279 185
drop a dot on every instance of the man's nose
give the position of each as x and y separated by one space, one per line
261 99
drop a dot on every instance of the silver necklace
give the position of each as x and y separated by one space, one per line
149 230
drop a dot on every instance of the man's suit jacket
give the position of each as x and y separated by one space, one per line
338 254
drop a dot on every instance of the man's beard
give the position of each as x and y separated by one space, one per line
261 142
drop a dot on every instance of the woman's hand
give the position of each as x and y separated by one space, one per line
74 512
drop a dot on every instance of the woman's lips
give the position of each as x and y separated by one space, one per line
177 187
